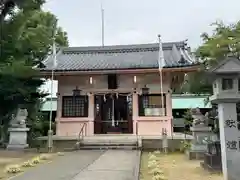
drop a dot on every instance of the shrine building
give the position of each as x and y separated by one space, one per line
116 89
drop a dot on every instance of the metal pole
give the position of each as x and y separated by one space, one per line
102 16
50 131
160 66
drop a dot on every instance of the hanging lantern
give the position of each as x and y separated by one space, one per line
90 80
135 79
76 92
145 90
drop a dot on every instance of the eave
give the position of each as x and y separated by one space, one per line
186 69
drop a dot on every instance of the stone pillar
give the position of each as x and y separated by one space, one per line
135 111
164 140
229 136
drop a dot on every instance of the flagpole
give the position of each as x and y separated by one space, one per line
102 18
160 67
50 131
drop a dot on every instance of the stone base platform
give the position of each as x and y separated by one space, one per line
211 169
195 155
117 140
17 147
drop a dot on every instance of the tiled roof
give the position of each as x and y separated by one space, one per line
119 57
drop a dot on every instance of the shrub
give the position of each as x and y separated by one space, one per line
159 177
157 152
152 157
36 160
13 169
152 163
185 145
156 171
27 164
60 154
44 157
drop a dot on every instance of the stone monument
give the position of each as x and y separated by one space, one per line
164 140
226 93
18 131
201 132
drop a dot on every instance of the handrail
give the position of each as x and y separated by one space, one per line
80 134
137 134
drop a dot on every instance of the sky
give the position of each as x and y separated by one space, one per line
140 21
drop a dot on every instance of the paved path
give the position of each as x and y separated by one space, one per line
86 165
112 165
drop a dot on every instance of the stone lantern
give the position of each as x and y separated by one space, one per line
226 93
226 84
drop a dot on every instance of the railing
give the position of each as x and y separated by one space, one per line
81 132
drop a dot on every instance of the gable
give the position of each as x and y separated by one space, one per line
230 66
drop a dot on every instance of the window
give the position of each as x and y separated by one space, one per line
238 84
151 105
227 83
75 106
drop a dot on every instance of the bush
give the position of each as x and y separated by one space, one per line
155 171
27 164
157 152
45 157
159 177
152 156
13 169
36 160
60 154
152 163
185 145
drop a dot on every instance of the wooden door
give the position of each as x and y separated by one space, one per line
129 114
98 108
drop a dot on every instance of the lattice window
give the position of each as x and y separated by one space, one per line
74 106
149 102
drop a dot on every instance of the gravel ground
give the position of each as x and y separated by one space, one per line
175 167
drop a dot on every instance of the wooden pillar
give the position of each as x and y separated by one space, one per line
169 104
90 128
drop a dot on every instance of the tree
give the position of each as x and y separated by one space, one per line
7 6
26 38
224 41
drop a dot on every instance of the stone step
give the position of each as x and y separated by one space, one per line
93 147
109 143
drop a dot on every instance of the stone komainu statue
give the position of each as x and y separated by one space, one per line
198 118
19 120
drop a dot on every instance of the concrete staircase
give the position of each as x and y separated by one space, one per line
109 142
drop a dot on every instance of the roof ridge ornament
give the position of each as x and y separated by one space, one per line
182 60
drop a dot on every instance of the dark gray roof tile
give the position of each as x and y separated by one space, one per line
118 57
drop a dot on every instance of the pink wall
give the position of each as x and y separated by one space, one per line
141 125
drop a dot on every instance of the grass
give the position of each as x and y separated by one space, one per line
175 167
14 158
